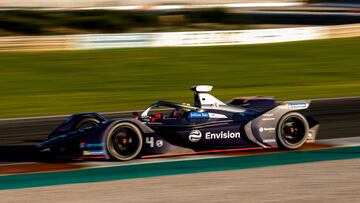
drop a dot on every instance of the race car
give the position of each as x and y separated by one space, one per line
208 124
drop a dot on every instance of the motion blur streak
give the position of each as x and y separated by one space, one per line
123 3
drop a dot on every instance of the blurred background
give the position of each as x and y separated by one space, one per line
62 57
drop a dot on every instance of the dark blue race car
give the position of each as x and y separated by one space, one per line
207 125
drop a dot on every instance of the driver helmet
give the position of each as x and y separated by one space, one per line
181 112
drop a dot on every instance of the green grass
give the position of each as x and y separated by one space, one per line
47 83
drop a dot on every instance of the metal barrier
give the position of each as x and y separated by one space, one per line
339 31
36 43
166 39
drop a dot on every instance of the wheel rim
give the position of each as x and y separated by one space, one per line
125 141
293 130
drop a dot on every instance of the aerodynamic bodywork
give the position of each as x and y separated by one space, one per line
208 124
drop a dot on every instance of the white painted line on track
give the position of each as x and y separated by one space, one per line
105 164
343 142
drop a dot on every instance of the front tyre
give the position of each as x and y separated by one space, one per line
80 123
86 122
292 131
124 141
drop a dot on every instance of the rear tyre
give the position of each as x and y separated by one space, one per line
86 122
124 141
292 131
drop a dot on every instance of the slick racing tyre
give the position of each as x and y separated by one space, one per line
124 141
292 131
86 122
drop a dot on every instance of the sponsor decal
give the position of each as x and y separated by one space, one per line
269 140
217 115
198 115
93 152
195 136
95 145
159 143
261 129
84 145
297 104
268 119
222 135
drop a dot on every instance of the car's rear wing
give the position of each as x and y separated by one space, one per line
202 97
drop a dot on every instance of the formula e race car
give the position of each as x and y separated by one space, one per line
209 124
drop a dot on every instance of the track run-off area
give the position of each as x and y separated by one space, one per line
339 120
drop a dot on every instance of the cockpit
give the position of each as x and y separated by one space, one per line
205 106
168 110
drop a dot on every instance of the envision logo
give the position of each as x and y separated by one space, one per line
195 135
222 135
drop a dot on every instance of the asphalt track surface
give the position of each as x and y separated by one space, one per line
338 118
326 181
